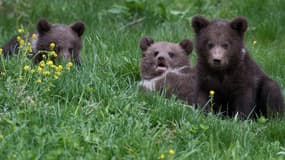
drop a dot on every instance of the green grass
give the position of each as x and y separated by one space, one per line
97 112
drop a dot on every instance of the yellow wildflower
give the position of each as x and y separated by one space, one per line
53 66
59 68
1 50
254 42
56 77
22 42
30 49
53 53
57 73
20 30
212 92
46 73
44 56
19 38
49 62
51 45
34 36
40 69
162 156
27 68
39 81
32 71
171 152
42 63
69 65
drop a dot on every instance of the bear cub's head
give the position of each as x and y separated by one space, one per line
219 43
67 39
159 57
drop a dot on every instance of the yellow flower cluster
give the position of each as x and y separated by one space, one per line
69 65
21 41
26 46
46 72
49 62
27 68
1 51
47 68
52 54
39 81
29 47
170 152
20 30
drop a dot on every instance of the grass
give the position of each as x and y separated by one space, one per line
97 112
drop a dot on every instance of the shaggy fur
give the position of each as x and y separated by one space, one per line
225 66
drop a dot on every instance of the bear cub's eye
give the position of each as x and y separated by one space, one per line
210 45
155 53
225 45
171 54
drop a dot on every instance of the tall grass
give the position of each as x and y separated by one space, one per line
97 112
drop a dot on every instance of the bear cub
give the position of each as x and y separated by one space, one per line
67 40
225 66
165 66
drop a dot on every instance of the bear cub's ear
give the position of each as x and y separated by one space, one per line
78 28
198 23
146 42
187 45
239 24
43 26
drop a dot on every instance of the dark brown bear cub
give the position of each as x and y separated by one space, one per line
166 66
225 66
67 40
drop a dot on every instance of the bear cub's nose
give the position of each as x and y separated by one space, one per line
161 59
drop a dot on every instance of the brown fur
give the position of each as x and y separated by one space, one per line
176 70
10 47
66 38
225 66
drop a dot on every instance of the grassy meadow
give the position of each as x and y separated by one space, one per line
97 112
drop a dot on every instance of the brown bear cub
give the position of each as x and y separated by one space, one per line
225 66
166 66
67 40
